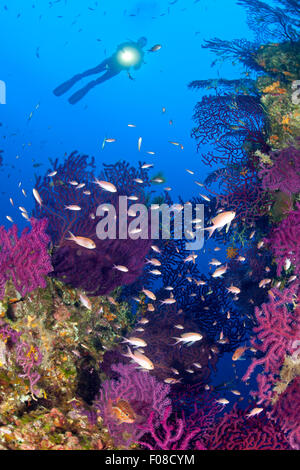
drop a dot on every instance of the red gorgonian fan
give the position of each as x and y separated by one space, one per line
229 124
241 192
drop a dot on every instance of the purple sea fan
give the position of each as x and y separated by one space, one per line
74 183
93 270
286 413
278 326
171 434
284 241
138 392
24 260
29 358
236 431
284 174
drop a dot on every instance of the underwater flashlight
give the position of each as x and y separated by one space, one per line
129 56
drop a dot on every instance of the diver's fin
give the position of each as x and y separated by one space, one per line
81 93
64 87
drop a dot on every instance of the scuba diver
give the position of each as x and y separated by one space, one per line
128 54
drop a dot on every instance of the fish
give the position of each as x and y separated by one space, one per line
143 361
156 272
254 412
179 327
219 271
25 215
139 143
198 365
238 353
172 380
110 140
215 262
112 300
85 301
264 282
9 218
191 257
153 261
106 185
52 173
37 197
121 268
155 48
206 198
146 165
135 342
135 231
149 294
73 207
222 401
287 264
122 411
168 301
188 338
157 180
233 289
222 219
82 241
143 321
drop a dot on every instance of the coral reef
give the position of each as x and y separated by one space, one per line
236 431
286 413
284 241
128 401
24 260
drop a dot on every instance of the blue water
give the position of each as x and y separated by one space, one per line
44 43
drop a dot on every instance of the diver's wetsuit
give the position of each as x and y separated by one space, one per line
112 66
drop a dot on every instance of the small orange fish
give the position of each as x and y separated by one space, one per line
122 411
238 353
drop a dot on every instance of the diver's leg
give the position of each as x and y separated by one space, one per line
83 91
64 87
